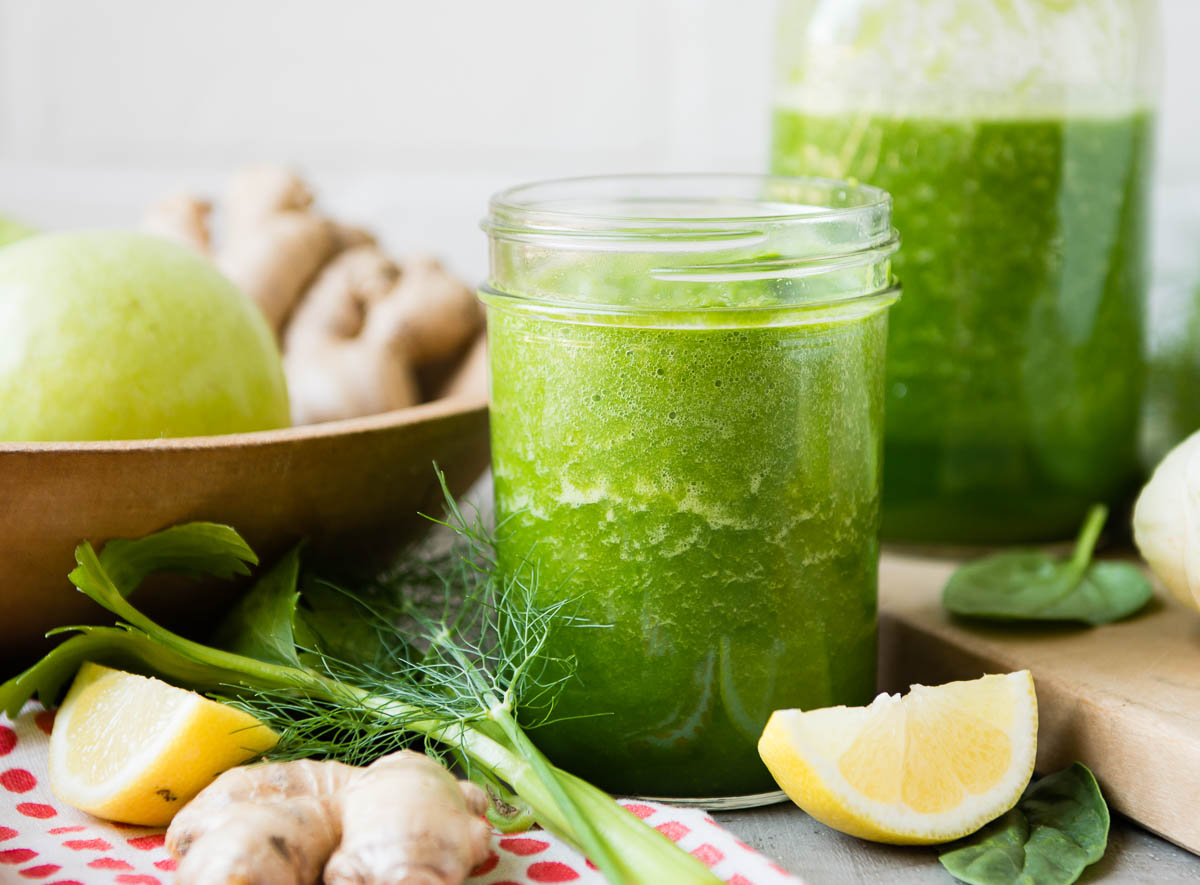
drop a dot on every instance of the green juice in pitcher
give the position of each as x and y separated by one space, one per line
1016 142
1015 365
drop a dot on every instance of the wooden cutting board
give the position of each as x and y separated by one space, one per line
1124 699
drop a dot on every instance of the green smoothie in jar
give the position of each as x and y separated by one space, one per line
687 380
1019 167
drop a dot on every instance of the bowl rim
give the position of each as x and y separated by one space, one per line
439 408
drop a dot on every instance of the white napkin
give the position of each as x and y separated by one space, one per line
45 841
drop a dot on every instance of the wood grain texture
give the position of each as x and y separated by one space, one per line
353 488
1124 699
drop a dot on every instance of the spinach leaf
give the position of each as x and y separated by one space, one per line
1029 585
1108 592
331 623
261 625
1059 827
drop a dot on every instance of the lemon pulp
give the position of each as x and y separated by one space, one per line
931 766
133 749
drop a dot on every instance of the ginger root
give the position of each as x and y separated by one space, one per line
345 349
390 836
471 375
357 328
183 218
403 819
277 241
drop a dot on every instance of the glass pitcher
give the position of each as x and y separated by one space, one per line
1015 137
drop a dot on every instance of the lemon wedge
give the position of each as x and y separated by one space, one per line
931 766
131 749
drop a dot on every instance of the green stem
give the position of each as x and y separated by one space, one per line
646 855
1088 536
593 843
260 672
1070 573
655 857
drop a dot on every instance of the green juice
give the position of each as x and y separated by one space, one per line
709 497
1015 366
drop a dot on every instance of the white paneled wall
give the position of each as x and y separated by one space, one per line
408 113
1177 215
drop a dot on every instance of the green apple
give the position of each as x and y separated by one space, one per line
12 230
115 335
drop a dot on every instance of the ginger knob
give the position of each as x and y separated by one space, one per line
360 332
404 820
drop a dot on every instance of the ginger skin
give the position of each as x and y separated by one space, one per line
182 218
436 313
278 261
272 824
258 192
344 353
277 242
389 835
404 820
366 323
355 326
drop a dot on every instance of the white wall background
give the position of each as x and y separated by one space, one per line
408 113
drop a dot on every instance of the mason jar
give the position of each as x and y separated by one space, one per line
1015 139
687 408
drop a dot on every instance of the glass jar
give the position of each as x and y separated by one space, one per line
687 407
1015 139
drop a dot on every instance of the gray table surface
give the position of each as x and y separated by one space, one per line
822 856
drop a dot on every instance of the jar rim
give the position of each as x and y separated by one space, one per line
642 243
675 208
821 311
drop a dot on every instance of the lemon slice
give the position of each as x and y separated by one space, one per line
928 767
135 750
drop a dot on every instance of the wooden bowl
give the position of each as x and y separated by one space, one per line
353 488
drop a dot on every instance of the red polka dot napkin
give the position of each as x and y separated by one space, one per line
45 841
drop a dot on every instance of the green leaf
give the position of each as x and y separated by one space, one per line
1108 592
276 621
194 549
1029 585
260 626
1057 829
188 549
340 626
1007 585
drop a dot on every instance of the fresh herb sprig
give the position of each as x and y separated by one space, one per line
443 655
1057 829
1028 585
